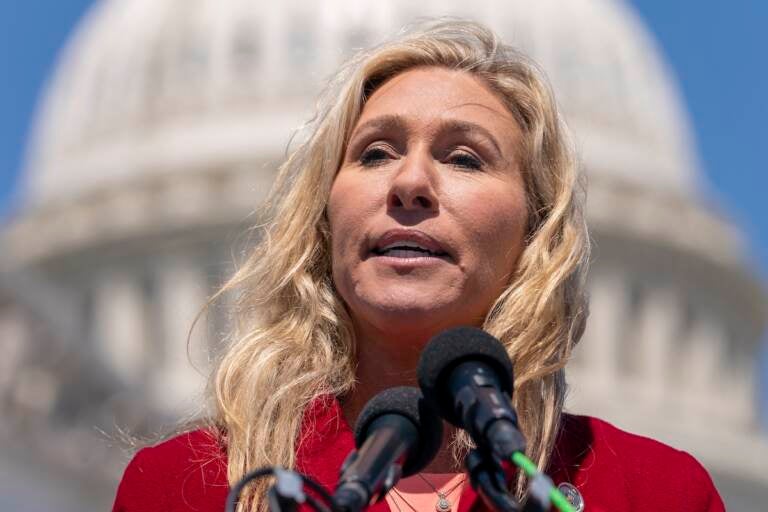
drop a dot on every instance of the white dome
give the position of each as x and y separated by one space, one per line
148 86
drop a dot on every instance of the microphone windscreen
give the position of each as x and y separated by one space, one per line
450 348
405 401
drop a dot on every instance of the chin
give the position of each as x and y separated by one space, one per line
414 317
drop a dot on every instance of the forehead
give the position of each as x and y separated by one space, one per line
432 94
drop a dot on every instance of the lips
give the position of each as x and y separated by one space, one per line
408 243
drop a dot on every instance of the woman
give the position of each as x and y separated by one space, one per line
437 188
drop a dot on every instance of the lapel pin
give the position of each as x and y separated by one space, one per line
573 495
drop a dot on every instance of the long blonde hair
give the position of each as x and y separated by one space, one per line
293 342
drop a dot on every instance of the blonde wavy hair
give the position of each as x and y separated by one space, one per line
292 341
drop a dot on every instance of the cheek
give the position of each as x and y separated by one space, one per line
501 239
350 208
338 222
344 216
355 199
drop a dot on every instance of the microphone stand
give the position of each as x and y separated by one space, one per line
487 477
286 494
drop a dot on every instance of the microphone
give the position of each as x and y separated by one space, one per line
466 375
397 434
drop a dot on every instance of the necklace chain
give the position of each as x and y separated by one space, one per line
442 505
404 501
445 493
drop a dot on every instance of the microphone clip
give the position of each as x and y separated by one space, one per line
486 474
287 492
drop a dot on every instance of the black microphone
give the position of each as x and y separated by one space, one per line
397 434
466 375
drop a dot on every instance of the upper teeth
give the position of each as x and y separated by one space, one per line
404 243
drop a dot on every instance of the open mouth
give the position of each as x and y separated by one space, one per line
408 250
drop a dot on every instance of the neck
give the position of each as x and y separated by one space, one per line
386 360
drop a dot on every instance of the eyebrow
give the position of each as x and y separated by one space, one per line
389 122
455 125
392 122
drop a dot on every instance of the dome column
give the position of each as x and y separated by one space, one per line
183 291
15 338
604 328
657 325
120 326
715 389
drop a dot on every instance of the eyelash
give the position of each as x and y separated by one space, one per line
466 161
376 156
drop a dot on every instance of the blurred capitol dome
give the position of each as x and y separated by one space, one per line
160 133
200 82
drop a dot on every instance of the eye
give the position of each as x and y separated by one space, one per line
374 156
465 160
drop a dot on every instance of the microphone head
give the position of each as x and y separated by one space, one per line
450 348
405 401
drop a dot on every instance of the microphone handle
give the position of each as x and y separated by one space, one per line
484 410
369 473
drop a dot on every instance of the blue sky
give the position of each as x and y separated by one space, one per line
716 49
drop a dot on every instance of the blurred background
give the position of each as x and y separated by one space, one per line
138 136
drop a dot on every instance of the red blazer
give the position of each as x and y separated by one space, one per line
612 469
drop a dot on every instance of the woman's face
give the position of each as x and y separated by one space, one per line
428 210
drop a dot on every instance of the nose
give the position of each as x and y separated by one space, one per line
414 186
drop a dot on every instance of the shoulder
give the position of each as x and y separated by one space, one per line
186 472
631 470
